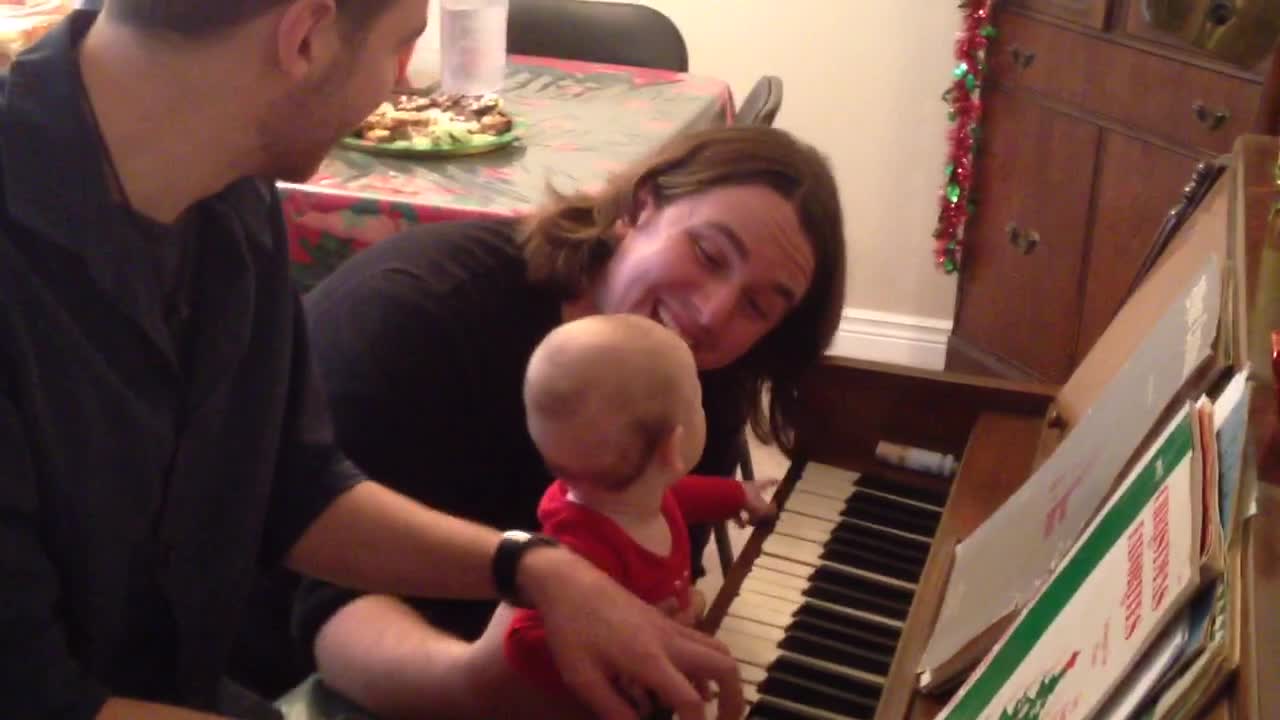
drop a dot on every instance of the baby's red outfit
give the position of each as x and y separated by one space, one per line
695 499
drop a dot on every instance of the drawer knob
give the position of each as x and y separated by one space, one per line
1022 58
1026 241
1212 119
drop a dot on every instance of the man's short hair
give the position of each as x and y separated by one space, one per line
202 18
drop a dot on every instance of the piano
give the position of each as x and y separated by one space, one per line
828 610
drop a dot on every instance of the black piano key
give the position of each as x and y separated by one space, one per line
882 635
936 498
893 508
837 588
905 550
853 553
793 668
877 656
862 507
899 503
875 559
807 694
820 647
763 710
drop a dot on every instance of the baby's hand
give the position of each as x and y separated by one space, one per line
690 615
758 508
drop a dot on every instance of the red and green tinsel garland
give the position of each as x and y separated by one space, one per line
965 113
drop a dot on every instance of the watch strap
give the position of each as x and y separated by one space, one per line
506 562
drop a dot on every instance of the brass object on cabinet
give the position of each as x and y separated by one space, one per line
1241 32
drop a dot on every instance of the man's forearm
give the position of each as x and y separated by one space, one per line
372 538
118 709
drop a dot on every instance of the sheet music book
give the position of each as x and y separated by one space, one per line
1033 530
1133 569
1195 685
1231 415
1159 660
1201 615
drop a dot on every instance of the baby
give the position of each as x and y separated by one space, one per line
615 408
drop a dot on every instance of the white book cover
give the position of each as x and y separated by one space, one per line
1032 531
1133 568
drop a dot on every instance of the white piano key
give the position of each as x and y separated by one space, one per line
785 567
818 506
746 606
787 580
804 527
751 675
749 649
827 481
780 592
753 595
810 553
794 549
754 629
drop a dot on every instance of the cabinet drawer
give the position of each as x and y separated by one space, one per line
1092 13
1042 57
1186 105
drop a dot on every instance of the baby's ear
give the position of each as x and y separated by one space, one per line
671 453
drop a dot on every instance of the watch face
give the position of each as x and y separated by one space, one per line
520 535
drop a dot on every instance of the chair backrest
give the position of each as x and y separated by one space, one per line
762 104
607 32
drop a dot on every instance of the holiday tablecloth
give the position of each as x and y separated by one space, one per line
578 121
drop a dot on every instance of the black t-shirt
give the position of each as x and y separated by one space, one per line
167 254
421 342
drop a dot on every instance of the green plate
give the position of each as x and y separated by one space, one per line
404 148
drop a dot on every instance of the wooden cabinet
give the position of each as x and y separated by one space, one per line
1023 282
1086 12
1093 123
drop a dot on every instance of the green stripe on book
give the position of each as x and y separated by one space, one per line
1063 587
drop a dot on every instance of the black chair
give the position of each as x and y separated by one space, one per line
761 105
606 32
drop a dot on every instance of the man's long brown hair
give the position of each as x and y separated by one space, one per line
571 239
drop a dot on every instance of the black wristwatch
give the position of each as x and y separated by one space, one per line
506 561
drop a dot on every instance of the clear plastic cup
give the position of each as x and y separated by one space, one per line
473 44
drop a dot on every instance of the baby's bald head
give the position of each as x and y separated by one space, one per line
603 394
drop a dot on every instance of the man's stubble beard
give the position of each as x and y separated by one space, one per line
299 129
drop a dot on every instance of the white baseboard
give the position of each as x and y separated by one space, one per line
892 338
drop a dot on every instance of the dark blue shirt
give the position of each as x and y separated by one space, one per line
147 468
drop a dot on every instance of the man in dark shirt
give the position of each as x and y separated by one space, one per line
162 435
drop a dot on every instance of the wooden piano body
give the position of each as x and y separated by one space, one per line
1003 430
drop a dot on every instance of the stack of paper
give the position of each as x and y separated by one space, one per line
1133 569
1032 531
1141 619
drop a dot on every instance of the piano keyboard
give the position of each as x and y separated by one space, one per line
816 622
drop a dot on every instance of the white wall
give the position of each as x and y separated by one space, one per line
863 80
